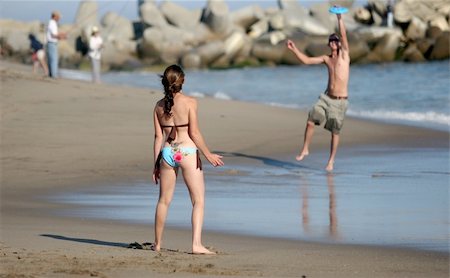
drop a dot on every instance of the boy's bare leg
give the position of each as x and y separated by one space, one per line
333 150
309 131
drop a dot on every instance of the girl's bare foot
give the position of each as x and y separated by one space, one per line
201 250
301 156
155 247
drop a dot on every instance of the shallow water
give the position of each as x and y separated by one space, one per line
377 196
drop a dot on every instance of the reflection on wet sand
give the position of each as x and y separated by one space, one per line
333 223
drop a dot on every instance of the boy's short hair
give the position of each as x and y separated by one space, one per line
334 37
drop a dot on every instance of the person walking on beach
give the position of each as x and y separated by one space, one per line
176 145
53 36
332 104
95 47
38 54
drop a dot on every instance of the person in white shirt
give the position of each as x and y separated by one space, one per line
52 37
95 47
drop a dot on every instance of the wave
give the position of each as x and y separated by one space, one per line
424 117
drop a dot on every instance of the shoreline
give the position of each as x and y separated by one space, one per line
63 134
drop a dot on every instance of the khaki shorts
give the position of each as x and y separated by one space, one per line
330 111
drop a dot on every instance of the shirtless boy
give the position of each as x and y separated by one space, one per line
332 104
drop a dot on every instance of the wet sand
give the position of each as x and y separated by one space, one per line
59 135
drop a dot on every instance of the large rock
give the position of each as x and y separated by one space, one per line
86 16
439 22
247 16
386 49
297 17
259 28
217 17
441 49
378 6
425 46
179 16
320 12
117 27
233 44
375 34
358 47
363 15
151 15
276 21
416 29
413 54
165 44
265 51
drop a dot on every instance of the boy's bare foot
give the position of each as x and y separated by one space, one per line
201 250
329 167
301 156
155 247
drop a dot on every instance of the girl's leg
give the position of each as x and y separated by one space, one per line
166 190
194 180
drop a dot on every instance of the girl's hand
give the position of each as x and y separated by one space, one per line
215 159
291 45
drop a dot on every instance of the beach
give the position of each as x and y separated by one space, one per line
64 135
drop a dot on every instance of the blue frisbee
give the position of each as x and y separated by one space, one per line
338 10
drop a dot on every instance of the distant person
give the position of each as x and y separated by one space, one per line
38 54
95 47
177 143
332 104
390 14
53 36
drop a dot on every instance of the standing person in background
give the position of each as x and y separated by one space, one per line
95 47
38 55
53 36
332 104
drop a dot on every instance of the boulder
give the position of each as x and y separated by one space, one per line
151 15
298 18
164 44
276 36
412 54
265 51
86 17
375 34
425 46
210 52
378 6
439 22
233 44
376 18
276 21
217 17
363 15
402 14
441 49
358 47
247 16
320 13
416 29
179 16
117 28
191 60
317 49
259 28
433 32
386 48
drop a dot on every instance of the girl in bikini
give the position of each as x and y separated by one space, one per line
177 143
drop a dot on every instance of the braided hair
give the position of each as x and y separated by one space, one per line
172 80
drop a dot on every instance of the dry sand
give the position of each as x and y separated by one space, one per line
57 135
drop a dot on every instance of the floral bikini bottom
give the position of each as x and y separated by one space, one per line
174 154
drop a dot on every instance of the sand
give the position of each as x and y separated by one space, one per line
57 135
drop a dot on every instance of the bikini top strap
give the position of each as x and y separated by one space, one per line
173 131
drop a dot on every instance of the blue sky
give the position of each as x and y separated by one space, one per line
30 10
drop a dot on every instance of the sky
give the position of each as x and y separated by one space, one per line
31 10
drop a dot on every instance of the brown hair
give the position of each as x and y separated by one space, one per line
172 80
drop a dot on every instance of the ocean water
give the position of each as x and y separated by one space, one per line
415 94
396 197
